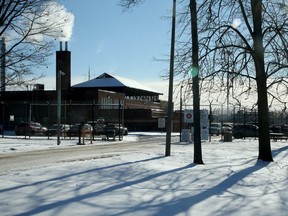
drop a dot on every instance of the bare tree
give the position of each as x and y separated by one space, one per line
246 42
195 79
30 29
129 4
242 50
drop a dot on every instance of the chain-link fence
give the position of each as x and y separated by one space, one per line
244 115
46 113
232 115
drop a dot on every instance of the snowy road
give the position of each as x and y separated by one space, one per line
64 153
133 177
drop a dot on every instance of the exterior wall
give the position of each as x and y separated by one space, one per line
79 105
140 120
110 106
143 115
139 104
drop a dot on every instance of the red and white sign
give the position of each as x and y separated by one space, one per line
188 116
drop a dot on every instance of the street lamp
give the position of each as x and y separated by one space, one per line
171 74
3 117
181 111
58 88
228 53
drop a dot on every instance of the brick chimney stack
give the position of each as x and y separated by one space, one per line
63 64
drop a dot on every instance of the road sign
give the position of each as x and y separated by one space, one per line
161 123
188 116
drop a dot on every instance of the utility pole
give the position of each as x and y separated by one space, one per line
180 128
3 64
58 87
171 75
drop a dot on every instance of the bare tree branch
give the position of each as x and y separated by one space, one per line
30 29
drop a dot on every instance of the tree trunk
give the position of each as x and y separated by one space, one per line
261 80
196 97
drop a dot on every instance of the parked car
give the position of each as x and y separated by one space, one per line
52 131
115 126
74 129
227 127
30 129
98 127
279 128
253 123
215 128
244 130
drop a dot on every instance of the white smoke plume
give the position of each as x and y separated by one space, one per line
60 20
45 21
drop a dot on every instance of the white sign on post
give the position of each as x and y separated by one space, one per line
204 118
161 123
188 116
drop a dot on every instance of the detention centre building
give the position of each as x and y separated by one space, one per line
108 98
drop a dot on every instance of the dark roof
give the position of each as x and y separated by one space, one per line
106 80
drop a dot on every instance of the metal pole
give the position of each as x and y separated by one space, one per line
3 117
228 84
119 118
58 87
26 115
180 111
170 94
3 64
210 116
93 120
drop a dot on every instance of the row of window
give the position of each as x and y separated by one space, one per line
152 98
109 103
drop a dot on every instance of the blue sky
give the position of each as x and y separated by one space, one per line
106 39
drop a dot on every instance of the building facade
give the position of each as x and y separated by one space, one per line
106 97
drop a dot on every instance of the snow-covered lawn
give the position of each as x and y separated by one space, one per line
232 182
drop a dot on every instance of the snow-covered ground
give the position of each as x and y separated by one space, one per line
232 181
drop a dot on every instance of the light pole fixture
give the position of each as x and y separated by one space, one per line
180 112
227 54
3 117
58 89
171 75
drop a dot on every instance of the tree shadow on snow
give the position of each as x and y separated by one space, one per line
62 178
80 198
172 208
165 207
